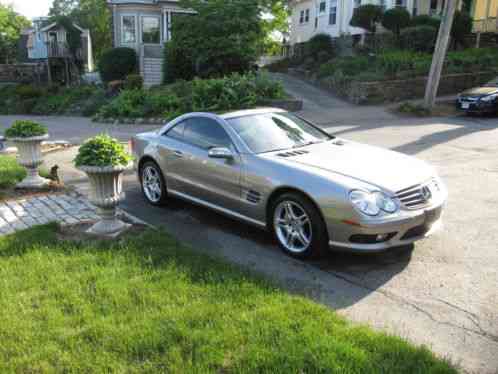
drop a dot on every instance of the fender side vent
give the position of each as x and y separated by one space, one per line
253 197
292 153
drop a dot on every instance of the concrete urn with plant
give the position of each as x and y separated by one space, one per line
104 160
27 136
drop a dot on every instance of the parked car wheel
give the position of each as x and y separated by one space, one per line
153 183
298 226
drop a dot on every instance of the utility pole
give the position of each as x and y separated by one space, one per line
443 39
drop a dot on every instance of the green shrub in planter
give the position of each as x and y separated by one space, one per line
117 63
25 129
134 82
101 151
418 38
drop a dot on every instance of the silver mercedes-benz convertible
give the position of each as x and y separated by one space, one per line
272 169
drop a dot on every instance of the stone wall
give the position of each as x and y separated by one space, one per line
21 73
398 90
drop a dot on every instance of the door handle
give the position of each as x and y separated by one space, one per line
178 154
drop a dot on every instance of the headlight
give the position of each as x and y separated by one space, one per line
371 204
385 203
489 98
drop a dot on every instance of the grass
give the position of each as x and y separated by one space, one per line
147 304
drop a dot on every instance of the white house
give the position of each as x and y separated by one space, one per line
311 17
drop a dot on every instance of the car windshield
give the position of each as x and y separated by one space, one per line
269 132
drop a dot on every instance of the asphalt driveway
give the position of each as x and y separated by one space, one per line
442 293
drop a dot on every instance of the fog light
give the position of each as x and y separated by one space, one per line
372 239
381 237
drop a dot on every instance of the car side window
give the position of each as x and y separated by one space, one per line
206 133
177 131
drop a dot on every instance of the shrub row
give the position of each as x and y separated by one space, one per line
403 64
30 99
215 95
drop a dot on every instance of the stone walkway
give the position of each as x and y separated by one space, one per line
65 208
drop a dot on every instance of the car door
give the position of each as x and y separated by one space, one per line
212 180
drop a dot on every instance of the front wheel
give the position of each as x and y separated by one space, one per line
298 226
153 183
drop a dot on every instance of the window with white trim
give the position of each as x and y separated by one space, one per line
333 12
301 17
383 4
357 3
415 8
307 16
400 3
128 29
323 7
151 30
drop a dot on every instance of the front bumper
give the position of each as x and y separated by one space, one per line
408 228
473 105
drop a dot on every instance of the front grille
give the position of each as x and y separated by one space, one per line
417 196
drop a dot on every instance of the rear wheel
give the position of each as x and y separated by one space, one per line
153 183
298 226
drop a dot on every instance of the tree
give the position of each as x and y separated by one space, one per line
11 25
275 24
367 17
95 16
223 37
462 26
63 7
396 19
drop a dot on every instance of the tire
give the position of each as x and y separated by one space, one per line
157 195
301 233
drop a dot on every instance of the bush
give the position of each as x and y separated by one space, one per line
117 63
25 129
349 66
418 38
25 92
425 20
413 109
396 19
102 150
220 94
320 43
133 82
366 17
177 64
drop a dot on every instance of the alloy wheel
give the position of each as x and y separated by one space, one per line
293 226
151 181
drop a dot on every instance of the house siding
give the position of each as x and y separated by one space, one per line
319 22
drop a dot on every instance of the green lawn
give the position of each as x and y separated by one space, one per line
10 172
148 304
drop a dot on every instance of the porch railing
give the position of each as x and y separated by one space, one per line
61 50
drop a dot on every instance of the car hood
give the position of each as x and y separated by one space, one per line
480 91
391 171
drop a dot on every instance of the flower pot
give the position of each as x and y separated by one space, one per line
30 156
106 192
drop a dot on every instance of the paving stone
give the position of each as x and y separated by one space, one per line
30 221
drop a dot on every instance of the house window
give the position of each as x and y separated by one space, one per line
128 29
383 4
323 6
151 30
357 3
333 12
307 16
301 17
400 3
415 8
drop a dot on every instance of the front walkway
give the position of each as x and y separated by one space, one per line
64 208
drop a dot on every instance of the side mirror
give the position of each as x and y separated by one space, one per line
220 152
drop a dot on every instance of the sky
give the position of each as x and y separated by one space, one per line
30 8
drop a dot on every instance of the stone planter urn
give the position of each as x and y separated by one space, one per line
106 192
30 156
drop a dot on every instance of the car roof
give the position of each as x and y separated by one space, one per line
250 112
